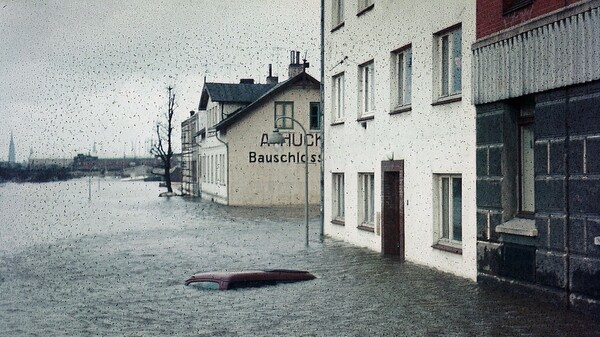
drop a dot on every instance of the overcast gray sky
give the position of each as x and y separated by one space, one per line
79 72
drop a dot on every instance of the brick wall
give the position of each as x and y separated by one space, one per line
490 17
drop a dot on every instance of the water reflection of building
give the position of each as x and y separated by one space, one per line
400 130
537 92
235 165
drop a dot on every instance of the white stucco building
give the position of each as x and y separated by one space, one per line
400 129
236 165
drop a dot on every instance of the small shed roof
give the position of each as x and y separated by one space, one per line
232 93
302 77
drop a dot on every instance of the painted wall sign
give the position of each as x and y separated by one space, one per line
291 140
294 139
288 157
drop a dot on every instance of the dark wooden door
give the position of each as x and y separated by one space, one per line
392 228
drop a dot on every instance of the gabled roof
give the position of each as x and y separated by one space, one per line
243 93
302 78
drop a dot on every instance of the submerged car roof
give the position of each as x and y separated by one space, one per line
273 275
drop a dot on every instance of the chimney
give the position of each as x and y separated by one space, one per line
192 112
246 81
296 67
272 79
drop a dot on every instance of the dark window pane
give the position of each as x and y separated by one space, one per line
512 5
315 116
456 61
444 65
457 209
445 208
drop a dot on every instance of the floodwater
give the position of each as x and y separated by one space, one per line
115 265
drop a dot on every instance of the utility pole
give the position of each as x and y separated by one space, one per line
321 107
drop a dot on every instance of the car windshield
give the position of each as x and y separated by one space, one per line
205 285
250 284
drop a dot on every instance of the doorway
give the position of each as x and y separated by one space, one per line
392 226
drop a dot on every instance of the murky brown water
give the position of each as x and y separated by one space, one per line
115 267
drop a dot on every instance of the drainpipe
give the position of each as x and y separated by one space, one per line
322 165
217 133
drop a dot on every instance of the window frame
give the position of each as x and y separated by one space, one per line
525 120
337 14
509 6
311 117
202 173
364 6
366 200
366 89
285 123
401 78
339 198
222 170
338 98
448 72
444 226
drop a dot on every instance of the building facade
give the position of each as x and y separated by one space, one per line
265 175
217 102
400 130
236 165
189 156
536 75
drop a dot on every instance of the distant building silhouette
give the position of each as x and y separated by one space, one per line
11 150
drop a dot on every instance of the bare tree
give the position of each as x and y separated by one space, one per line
164 133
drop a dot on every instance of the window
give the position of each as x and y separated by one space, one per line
220 169
223 171
204 167
284 109
366 88
366 194
449 62
448 229
512 5
364 4
338 98
402 77
212 116
212 169
337 13
338 197
315 115
526 176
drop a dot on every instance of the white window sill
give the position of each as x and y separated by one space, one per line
400 109
367 227
518 226
366 117
447 246
338 221
448 99
337 26
362 11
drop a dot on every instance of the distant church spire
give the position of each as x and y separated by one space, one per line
11 150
